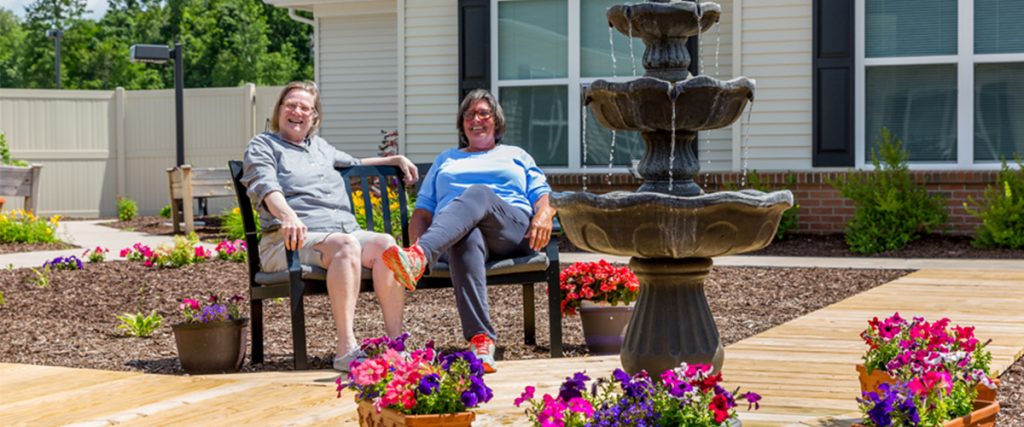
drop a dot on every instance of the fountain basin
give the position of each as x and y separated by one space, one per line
646 104
661 20
655 225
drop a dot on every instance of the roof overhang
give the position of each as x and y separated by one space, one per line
307 4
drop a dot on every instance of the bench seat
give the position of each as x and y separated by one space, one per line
301 280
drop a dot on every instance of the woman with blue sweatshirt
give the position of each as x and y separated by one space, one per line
481 200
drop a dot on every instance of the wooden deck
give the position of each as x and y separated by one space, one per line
804 369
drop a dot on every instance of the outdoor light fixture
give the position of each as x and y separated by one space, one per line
159 54
56 34
151 53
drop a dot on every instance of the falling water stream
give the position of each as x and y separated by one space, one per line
584 139
632 56
672 148
611 45
745 146
611 158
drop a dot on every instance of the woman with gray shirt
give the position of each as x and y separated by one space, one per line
303 206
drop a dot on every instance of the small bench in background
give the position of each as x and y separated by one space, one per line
21 182
187 183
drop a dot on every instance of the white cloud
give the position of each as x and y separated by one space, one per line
98 7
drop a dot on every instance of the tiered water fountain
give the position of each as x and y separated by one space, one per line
670 228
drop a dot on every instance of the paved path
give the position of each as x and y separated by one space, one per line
86 235
89 234
826 262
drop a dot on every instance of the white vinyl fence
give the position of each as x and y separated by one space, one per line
97 145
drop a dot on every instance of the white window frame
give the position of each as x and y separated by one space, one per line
573 81
965 60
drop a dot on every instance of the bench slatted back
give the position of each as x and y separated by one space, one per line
378 179
369 177
252 240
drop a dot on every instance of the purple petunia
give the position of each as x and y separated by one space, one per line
429 384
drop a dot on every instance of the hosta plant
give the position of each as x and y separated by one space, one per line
140 325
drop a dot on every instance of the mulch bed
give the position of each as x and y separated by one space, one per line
72 323
10 248
208 231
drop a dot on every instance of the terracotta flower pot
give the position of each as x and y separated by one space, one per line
369 417
870 382
211 348
984 415
604 325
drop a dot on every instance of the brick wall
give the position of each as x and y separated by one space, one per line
822 209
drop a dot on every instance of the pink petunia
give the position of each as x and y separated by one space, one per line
526 396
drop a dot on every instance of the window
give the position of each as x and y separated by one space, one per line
943 76
545 51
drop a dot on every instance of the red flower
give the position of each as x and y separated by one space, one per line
598 282
720 406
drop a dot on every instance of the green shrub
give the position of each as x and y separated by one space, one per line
791 217
1002 210
5 153
890 209
21 226
3 301
138 325
126 209
166 211
231 223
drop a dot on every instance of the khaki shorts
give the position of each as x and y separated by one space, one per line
272 252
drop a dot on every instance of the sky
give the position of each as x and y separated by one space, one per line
98 7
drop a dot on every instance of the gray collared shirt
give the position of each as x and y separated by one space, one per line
305 175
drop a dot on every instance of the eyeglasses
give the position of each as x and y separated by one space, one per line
299 107
480 114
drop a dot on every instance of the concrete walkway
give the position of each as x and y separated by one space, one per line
826 262
86 235
89 234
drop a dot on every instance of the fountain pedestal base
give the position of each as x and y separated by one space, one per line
671 322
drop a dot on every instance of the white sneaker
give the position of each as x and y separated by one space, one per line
342 363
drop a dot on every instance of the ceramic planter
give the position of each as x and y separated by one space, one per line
604 325
211 348
369 417
870 382
984 415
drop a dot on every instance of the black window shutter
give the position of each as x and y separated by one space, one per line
833 83
474 45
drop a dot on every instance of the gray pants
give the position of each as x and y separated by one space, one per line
474 228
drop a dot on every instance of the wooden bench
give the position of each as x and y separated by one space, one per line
21 181
187 183
301 280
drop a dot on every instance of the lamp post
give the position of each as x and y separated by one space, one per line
159 54
56 34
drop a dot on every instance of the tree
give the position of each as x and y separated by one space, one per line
12 38
227 43
36 63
